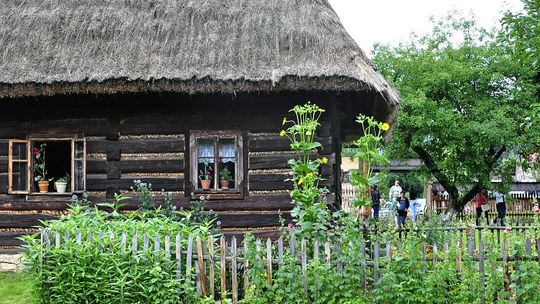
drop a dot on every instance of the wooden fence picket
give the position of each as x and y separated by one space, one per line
178 256
167 246
327 253
146 242
481 266
201 267
316 250
304 263
223 264
280 251
123 242
246 268
363 265
234 270
211 266
376 256
57 239
189 256
269 260
134 244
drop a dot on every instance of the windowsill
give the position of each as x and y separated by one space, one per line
212 194
50 196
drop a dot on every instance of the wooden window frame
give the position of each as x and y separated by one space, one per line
28 165
240 172
30 143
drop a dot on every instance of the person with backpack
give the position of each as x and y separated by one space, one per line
375 201
401 210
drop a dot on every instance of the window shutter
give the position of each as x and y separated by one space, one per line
19 160
78 171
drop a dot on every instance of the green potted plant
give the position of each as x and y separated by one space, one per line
40 171
205 177
61 184
225 177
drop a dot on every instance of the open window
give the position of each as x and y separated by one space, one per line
19 166
217 163
56 160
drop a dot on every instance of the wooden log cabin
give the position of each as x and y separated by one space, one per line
154 90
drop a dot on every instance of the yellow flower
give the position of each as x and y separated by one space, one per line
322 110
300 181
282 133
308 133
385 126
309 174
284 121
324 160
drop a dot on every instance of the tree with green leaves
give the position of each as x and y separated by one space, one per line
462 109
521 32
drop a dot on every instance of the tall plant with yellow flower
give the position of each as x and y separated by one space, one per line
367 149
310 212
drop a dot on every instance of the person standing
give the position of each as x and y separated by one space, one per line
481 204
500 202
375 201
394 193
414 203
401 210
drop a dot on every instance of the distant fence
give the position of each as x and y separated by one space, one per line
221 269
519 204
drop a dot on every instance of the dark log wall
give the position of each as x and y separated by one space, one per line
146 137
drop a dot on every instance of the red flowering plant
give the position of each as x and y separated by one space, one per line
39 163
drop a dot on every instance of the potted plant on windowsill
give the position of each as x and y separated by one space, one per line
61 184
205 177
225 177
39 169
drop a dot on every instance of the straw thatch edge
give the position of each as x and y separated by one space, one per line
192 86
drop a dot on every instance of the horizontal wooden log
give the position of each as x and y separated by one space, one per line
252 220
269 182
125 183
23 220
99 166
279 161
3 183
11 238
278 143
227 220
255 202
145 145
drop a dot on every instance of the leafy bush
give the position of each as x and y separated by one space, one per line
94 265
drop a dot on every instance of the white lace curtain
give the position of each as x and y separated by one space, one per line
227 151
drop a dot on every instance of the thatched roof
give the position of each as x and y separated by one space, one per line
51 47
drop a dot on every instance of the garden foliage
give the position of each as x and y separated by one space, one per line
98 268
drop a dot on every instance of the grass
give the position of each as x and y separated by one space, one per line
16 288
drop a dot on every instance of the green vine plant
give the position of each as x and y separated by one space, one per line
367 149
310 212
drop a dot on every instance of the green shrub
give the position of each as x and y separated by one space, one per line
93 264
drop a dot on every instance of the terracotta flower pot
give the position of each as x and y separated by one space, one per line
43 186
224 184
205 184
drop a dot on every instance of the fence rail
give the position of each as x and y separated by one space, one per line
224 258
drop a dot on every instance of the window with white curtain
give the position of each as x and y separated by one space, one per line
216 162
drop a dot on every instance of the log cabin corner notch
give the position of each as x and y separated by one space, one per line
141 97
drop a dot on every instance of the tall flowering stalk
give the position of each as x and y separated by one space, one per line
367 148
310 212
